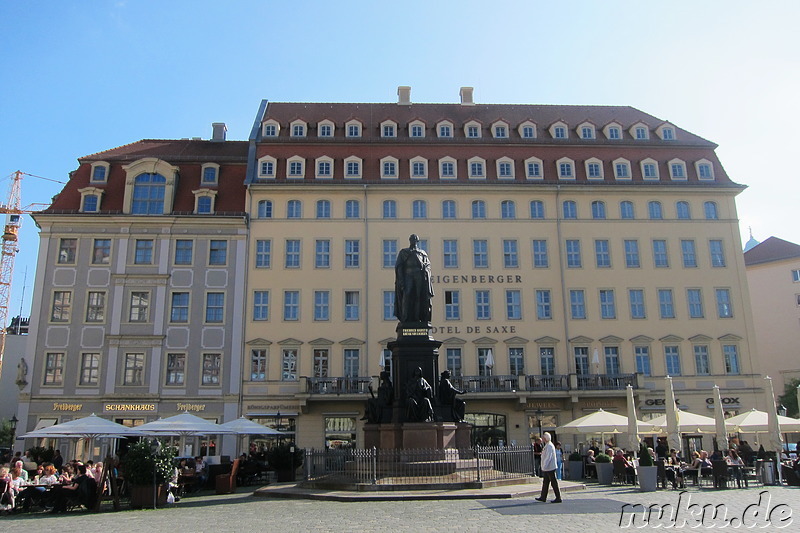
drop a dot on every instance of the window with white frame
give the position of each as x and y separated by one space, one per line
419 209
291 305
701 362
389 252
264 209
642 356
389 209
710 210
90 369
353 128
677 169
298 128
444 130
295 167
292 258
537 209
731 355
527 130
352 209
323 209
649 169
608 306
544 309
294 209
450 253
586 130
452 305
325 128
682 210
96 306
796 275
717 253
654 210
672 360
416 129
322 306
289 364
480 253
510 253
133 369
636 301
513 304
324 167
217 252
215 307
271 128
613 131
640 131
598 210
352 167
419 168
594 169
90 199
508 209
477 168
212 364
704 169
54 368
99 172
666 132
547 360
258 364
352 305
577 304
209 174
622 169
472 130
454 361
666 306
388 129
573 251
322 253
724 307
204 201
558 130
351 364
688 253
626 210
500 130
266 167
566 168
483 309
263 253
352 253
389 168
388 305
694 300
260 305
569 209
478 209
447 168
143 252
448 209
505 168
602 253
533 168
539 250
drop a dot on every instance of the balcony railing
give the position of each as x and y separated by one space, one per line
545 383
499 383
605 381
352 385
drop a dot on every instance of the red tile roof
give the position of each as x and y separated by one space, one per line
771 250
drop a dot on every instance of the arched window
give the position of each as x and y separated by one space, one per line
389 209
626 210
420 209
598 210
449 209
204 205
265 209
537 209
294 209
570 209
508 209
478 209
90 203
682 209
148 194
710 209
352 209
654 210
323 209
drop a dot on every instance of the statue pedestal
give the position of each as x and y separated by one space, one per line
414 348
418 435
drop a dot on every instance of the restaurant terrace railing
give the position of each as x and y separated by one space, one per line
418 466
348 385
606 381
547 382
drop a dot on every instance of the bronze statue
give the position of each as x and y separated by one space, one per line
373 413
418 398
412 286
447 396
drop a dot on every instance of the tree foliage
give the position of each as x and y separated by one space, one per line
789 398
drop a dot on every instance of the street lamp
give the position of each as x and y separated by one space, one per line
13 421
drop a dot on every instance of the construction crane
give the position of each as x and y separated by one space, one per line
13 221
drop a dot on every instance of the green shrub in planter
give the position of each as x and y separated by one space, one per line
140 462
281 457
575 456
645 459
602 458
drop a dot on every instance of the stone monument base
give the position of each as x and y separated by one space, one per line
418 435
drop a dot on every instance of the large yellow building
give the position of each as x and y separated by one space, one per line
575 250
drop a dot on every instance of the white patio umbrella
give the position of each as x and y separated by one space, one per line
596 361
183 425
671 418
688 423
775 437
603 422
489 361
755 421
243 427
633 434
719 421
89 427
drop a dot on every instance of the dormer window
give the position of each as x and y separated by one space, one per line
640 132
295 167
298 128
505 168
533 168
594 169
444 130
586 130
204 201
266 167
622 169
271 128
149 187
100 172
666 132
389 168
353 128
324 166
325 128
90 199
705 170
210 174
419 167
677 169
527 130
558 130
447 168
649 169
477 168
500 130
388 129
566 168
352 167
613 131
472 130
416 129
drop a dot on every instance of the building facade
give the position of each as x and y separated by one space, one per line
575 250
773 275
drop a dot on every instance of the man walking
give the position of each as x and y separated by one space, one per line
549 470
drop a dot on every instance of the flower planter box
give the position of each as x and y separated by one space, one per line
575 472
141 496
605 473
648 478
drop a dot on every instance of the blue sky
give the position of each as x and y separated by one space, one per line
83 76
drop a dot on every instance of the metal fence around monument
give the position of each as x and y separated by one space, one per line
419 466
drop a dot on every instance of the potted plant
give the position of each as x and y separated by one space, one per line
148 467
285 459
575 466
605 469
647 471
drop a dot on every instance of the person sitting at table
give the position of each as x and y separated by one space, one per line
200 472
6 492
630 471
66 474
82 489
735 464
37 494
591 468
673 469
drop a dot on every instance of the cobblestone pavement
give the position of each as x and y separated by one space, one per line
595 509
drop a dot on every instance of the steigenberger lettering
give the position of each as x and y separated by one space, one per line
476 279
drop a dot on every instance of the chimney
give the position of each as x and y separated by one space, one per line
404 95
219 129
466 96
